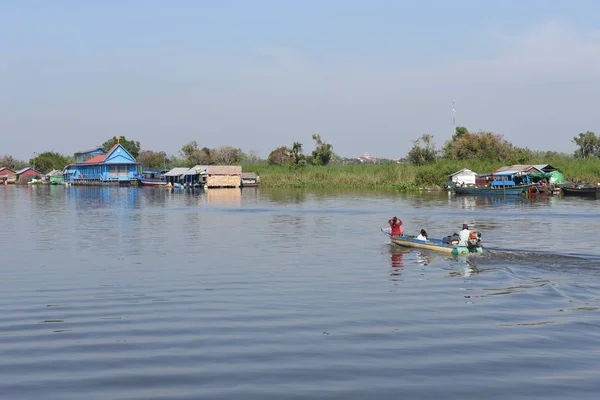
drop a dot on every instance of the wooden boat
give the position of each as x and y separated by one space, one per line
432 244
492 191
582 190
153 182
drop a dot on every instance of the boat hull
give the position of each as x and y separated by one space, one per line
586 191
432 244
489 191
153 182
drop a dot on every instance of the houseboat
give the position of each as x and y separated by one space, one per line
99 167
7 176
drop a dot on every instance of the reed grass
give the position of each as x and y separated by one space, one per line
402 177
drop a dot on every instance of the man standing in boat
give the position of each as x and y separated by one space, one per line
463 236
396 225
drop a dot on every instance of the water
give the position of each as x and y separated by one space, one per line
127 293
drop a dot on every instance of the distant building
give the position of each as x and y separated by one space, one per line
463 177
367 158
223 176
27 174
7 175
97 166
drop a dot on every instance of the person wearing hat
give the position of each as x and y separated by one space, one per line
396 225
463 236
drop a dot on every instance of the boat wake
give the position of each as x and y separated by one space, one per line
547 261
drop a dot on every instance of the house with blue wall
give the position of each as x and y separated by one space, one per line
98 166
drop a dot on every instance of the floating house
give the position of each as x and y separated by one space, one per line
176 175
27 174
54 177
250 179
224 176
463 177
7 176
98 167
195 176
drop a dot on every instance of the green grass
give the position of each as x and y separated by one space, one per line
402 177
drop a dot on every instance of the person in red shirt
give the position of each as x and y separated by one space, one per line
396 225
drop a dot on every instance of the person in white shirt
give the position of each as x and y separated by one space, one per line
422 235
463 236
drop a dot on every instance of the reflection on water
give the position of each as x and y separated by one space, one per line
141 293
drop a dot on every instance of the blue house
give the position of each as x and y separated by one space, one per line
97 166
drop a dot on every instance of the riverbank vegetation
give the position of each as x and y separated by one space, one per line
425 166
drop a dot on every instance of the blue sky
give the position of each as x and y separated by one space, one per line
367 76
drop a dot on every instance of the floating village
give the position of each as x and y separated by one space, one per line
118 167
98 167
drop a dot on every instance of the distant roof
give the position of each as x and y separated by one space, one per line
545 167
1 168
177 171
196 170
54 172
249 175
90 150
518 168
25 169
96 159
506 173
224 170
464 170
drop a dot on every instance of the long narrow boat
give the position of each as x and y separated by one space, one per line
432 244
152 182
492 191
587 191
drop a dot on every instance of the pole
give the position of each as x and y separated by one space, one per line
453 119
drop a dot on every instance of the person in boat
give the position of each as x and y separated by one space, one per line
396 225
463 236
422 235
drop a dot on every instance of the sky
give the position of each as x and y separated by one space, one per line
367 76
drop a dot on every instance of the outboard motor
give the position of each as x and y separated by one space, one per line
474 240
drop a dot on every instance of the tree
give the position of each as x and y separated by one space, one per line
460 131
323 151
296 152
227 155
483 145
423 151
131 146
589 145
279 156
251 157
191 154
12 163
49 160
207 156
153 159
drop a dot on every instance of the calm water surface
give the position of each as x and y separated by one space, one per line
127 293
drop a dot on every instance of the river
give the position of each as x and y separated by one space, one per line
141 293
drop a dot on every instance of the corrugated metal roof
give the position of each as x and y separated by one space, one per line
196 170
518 168
177 171
224 170
96 159
54 172
8 169
249 175
25 169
